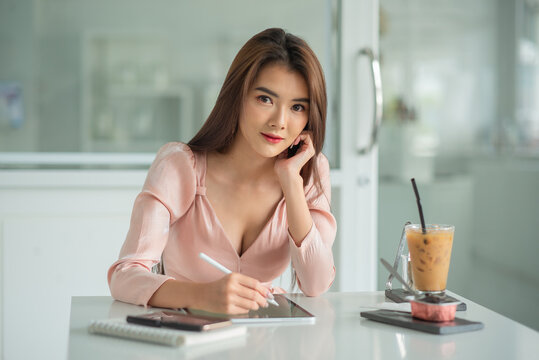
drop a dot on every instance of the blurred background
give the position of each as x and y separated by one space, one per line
461 115
89 91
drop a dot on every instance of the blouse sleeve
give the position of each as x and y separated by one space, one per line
313 259
168 192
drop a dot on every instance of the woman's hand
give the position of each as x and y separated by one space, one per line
232 294
288 169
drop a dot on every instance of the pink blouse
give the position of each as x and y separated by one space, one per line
173 218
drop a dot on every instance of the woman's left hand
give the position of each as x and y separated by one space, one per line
289 168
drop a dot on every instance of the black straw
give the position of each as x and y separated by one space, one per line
423 227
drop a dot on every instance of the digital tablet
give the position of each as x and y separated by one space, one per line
287 311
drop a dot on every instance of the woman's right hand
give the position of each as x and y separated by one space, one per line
232 294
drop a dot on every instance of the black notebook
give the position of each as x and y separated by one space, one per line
406 320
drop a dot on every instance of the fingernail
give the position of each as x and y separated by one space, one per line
269 295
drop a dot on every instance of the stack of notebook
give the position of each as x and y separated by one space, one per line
172 337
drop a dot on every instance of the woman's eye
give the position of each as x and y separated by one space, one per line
264 99
298 107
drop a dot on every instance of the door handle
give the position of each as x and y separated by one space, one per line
378 99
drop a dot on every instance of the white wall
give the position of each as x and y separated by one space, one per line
504 272
59 233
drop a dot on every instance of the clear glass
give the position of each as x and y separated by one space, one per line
430 255
85 76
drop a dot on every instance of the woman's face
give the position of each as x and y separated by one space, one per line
275 110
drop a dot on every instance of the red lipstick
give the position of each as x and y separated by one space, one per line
274 139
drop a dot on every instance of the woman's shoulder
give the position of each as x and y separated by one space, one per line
175 155
322 165
319 182
322 161
175 149
172 177
173 160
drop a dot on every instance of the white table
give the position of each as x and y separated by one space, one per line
339 333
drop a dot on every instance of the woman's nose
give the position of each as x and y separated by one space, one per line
278 120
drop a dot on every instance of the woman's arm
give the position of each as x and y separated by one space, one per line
298 215
130 277
312 227
288 170
168 192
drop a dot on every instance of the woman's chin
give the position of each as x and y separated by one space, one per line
269 151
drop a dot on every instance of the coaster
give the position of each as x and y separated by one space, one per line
401 295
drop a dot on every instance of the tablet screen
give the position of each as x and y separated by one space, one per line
287 311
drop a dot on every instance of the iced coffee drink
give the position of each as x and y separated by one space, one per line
430 255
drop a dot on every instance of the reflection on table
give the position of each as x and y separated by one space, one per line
339 333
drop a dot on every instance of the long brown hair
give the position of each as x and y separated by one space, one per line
267 47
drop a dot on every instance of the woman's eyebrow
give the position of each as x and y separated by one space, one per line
274 94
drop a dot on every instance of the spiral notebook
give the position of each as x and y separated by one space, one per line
122 329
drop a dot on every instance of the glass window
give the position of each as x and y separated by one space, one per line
117 76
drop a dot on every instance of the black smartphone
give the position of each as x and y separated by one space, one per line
293 150
177 320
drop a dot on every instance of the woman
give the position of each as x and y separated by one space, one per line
238 193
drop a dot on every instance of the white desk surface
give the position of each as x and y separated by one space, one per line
339 333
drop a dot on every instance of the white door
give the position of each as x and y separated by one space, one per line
358 173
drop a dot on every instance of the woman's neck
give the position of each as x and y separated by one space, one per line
245 165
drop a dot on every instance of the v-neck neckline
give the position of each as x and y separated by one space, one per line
202 183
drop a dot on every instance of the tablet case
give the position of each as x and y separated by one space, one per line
406 320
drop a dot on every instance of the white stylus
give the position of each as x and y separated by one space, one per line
218 266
